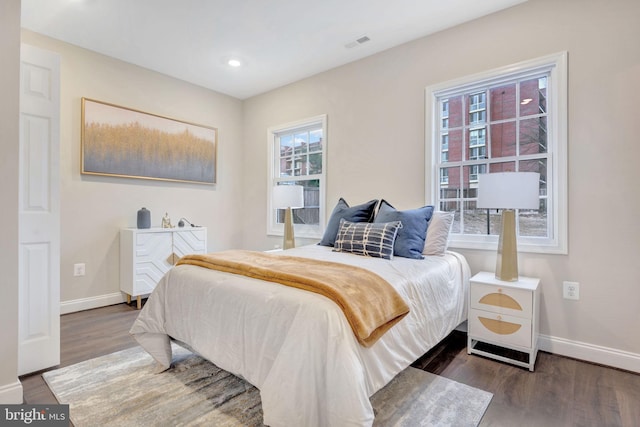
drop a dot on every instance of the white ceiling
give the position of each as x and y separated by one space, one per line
278 41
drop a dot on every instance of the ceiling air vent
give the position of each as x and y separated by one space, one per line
357 42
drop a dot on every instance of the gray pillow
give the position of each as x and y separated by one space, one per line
438 233
360 213
366 238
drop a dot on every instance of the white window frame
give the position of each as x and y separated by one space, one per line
301 230
556 66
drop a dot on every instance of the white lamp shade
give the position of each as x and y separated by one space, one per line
288 196
508 190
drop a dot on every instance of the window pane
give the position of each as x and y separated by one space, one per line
475 220
301 141
540 166
310 214
452 206
533 96
286 144
300 165
285 149
455 145
449 183
471 179
455 112
502 167
315 164
503 140
315 140
503 102
533 223
533 136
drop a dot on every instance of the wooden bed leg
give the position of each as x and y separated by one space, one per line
139 302
128 299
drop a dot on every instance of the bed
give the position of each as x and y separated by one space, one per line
296 346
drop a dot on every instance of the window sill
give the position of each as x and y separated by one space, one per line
491 244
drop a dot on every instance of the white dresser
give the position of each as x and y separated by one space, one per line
147 254
505 315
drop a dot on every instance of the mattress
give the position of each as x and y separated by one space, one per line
297 347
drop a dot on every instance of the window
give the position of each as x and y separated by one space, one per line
510 119
298 156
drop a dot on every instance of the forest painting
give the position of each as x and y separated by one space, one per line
123 142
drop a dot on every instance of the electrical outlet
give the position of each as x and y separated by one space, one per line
79 269
571 290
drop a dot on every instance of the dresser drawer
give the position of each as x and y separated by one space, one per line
503 300
499 328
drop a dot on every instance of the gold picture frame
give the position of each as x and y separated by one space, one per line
123 142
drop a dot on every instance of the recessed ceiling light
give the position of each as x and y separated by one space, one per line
234 62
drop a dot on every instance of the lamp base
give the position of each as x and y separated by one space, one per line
507 260
289 239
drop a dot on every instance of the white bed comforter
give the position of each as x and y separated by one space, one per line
297 347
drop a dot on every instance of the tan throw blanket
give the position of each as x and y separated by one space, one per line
371 305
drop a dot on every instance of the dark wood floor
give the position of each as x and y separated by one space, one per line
561 391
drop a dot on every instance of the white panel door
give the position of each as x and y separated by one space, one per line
39 209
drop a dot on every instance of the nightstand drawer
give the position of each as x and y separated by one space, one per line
503 300
500 328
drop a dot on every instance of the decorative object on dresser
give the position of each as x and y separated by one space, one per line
146 255
508 191
503 319
288 197
144 218
183 220
166 221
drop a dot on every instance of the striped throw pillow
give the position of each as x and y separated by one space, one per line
368 239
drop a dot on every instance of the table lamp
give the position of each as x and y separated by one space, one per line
288 197
508 191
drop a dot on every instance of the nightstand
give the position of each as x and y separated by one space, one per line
503 319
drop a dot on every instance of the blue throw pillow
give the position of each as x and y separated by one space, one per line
412 235
366 238
361 213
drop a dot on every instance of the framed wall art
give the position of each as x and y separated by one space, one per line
123 142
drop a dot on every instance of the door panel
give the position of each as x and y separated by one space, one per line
39 204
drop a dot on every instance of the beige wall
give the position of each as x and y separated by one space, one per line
376 123
93 209
10 388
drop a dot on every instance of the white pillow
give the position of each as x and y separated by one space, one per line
438 233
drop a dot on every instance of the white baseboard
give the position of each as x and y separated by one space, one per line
11 394
590 352
92 302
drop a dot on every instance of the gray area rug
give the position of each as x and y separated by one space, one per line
121 389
